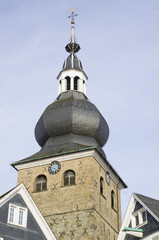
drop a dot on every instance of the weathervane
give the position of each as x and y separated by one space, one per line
73 15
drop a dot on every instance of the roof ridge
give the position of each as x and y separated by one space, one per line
137 194
150 204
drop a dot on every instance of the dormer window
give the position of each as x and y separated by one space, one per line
139 218
17 215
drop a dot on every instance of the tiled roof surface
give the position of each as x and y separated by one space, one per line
151 203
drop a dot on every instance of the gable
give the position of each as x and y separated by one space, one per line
32 231
137 206
139 215
21 206
150 203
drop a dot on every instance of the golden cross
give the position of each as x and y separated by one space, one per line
73 15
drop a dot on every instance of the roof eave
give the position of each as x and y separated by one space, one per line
123 184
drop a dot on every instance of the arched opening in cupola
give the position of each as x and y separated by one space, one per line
76 83
68 82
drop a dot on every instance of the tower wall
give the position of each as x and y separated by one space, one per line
77 211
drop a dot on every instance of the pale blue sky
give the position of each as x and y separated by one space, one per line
120 54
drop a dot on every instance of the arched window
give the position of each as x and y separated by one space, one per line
41 183
69 178
101 185
76 83
112 199
68 83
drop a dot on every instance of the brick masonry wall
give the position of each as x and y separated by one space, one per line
78 211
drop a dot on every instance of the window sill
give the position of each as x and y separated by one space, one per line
16 225
68 185
40 191
114 210
142 224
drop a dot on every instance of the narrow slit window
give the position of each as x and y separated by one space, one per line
112 199
101 185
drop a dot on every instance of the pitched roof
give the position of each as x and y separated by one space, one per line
151 203
6 193
21 189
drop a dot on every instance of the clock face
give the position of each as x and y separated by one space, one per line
54 167
107 178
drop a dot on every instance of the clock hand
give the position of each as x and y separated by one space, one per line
55 168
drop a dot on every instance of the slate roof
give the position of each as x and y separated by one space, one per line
72 113
72 62
151 203
36 227
47 153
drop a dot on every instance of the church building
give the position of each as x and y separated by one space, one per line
70 179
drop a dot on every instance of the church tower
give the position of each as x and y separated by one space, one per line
70 179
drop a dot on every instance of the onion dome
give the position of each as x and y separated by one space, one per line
71 123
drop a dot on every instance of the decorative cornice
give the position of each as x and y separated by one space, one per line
89 153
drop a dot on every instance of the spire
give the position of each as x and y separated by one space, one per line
72 77
72 46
